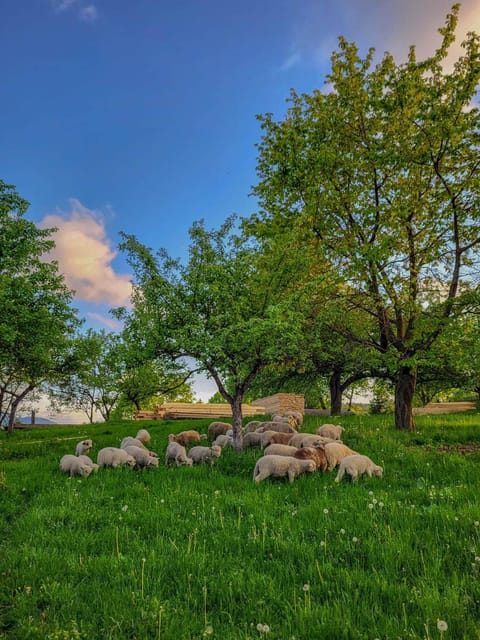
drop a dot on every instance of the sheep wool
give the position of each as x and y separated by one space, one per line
83 447
142 457
115 457
356 466
336 452
279 450
89 462
217 429
317 454
333 431
176 453
281 466
204 455
185 437
143 436
74 466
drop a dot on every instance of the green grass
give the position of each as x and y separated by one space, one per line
190 553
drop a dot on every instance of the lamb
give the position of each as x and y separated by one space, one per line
223 441
89 462
143 436
83 447
74 466
266 438
281 438
307 440
176 453
115 457
281 427
333 431
317 454
251 439
185 437
356 465
142 457
218 429
135 442
280 450
336 452
281 466
204 455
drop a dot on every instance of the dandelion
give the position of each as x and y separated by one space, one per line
322 543
208 630
162 500
374 500
28 588
380 504
325 511
306 587
125 507
260 627
266 628
370 506
442 625
477 558
354 539
476 523
342 531
217 492
370 493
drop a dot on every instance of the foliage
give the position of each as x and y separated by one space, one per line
182 553
381 173
37 321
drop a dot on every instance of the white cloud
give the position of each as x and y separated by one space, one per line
87 13
85 255
111 323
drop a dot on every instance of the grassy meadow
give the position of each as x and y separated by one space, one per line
204 552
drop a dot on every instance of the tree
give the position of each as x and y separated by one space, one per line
37 321
382 170
230 308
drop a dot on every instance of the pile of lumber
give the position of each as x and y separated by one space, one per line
282 403
174 410
445 407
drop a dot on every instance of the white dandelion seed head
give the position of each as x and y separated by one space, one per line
370 506
208 630
125 507
354 539
325 511
374 500
380 504
342 531
266 628
259 626
476 523
442 625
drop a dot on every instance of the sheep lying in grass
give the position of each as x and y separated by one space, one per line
142 457
281 466
115 457
74 466
336 452
89 462
280 450
185 437
333 431
217 429
317 454
251 439
204 455
135 442
356 465
176 453
83 447
223 441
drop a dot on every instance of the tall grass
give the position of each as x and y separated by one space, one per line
189 553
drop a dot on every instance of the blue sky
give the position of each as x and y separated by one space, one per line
139 115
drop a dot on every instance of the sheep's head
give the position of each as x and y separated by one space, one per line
172 437
130 461
216 451
152 462
378 471
85 470
311 466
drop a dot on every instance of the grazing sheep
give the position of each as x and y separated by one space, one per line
333 431
356 465
266 438
204 455
176 453
135 442
185 437
280 427
280 450
217 429
115 457
223 441
336 452
282 438
251 439
288 419
74 466
297 416
89 462
307 440
252 426
142 457
317 454
143 436
281 466
83 447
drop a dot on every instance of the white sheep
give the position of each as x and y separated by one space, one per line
218 428
115 457
135 442
204 455
336 452
223 441
74 466
252 426
333 431
142 457
279 450
89 462
270 425
281 466
251 439
266 438
177 453
356 465
307 440
83 447
143 436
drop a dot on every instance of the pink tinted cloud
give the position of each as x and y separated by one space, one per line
85 255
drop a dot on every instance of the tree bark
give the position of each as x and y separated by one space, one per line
404 390
335 393
237 420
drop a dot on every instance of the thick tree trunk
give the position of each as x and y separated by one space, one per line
237 420
404 390
335 393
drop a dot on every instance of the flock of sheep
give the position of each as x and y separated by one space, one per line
286 452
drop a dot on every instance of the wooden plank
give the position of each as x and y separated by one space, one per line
172 410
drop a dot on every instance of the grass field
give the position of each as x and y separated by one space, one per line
203 552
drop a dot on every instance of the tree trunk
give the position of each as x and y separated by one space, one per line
237 420
335 393
404 390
